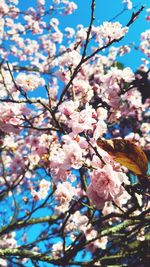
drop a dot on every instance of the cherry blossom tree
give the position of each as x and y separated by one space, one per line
65 201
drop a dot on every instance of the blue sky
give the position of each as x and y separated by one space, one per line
105 11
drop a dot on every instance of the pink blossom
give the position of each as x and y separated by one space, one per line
17 163
46 139
96 162
145 43
70 7
3 8
113 98
96 200
64 194
65 158
57 249
114 76
69 156
98 243
124 50
81 34
71 58
82 89
89 232
108 208
41 2
103 183
77 220
60 173
106 185
134 98
148 14
112 31
100 129
8 241
102 113
68 107
54 22
33 159
73 155
57 36
9 128
45 133
29 82
70 32
44 187
127 4
8 83
83 120
81 141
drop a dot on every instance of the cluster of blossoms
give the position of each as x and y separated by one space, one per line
29 82
106 185
44 187
111 31
64 194
145 43
55 104
8 241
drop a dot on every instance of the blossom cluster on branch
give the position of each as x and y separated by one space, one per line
64 200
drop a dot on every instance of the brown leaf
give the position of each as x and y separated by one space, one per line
126 153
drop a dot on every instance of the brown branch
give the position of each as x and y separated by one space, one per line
85 59
83 56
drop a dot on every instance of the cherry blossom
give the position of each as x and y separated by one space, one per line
62 88
148 14
68 107
8 241
64 194
62 160
145 43
80 121
127 4
44 187
29 82
106 184
112 30
57 249
70 7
